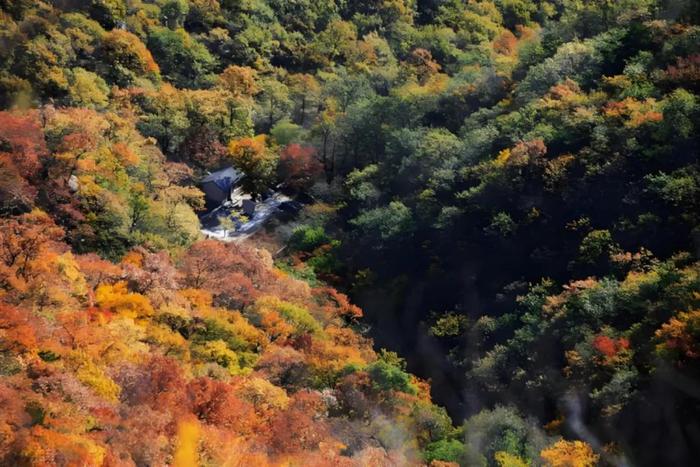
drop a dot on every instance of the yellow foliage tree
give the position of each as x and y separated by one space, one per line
264 395
505 459
239 81
569 454
46 447
118 299
217 352
679 336
256 160
93 376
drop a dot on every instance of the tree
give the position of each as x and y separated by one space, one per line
516 12
109 13
575 60
327 132
597 246
16 194
22 147
589 18
183 60
97 271
447 450
387 223
87 89
42 61
334 42
203 149
298 167
256 161
126 58
23 239
216 403
569 454
299 428
273 104
282 366
227 224
265 396
150 274
269 310
285 132
174 12
424 66
305 92
21 141
679 337
118 299
500 430
19 332
219 268
387 12
388 374
241 81
338 304
157 383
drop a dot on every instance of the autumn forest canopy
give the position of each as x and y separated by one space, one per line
493 256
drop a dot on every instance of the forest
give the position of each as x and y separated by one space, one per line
495 260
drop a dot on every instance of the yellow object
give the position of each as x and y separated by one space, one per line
188 434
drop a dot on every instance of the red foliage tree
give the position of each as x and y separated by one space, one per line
225 270
21 147
98 270
22 138
216 403
143 436
686 69
153 275
505 43
298 166
527 152
203 149
282 366
16 193
157 384
605 345
12 416
299 428
337 303
16 330
609 346
22 240
423 63
352 391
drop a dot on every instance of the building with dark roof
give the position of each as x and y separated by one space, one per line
218 186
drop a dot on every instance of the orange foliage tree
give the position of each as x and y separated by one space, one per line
569 454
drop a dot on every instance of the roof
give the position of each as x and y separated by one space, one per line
224 178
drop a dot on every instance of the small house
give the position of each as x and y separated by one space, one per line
218 186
